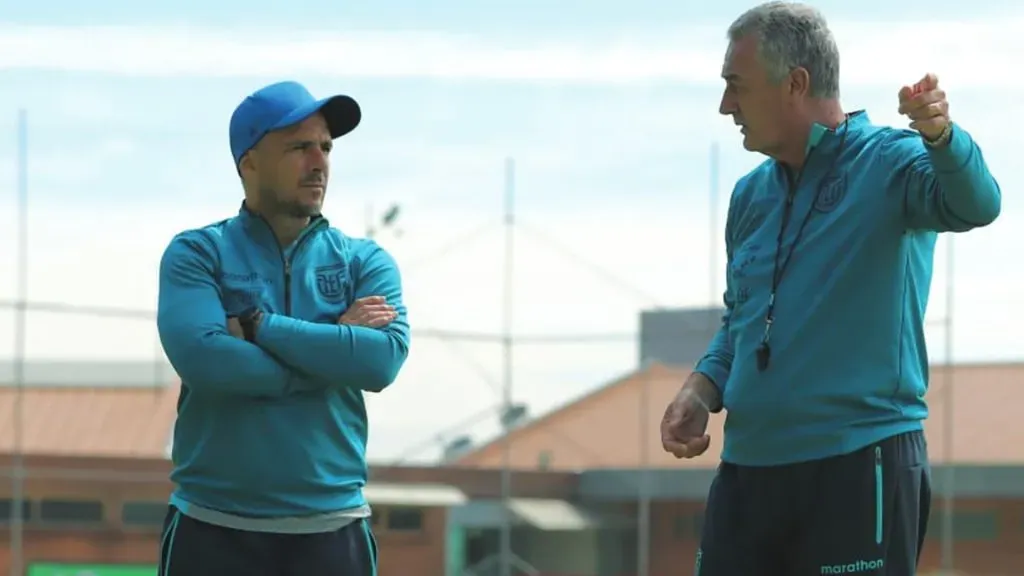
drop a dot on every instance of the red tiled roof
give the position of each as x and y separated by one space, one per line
78 421
614 427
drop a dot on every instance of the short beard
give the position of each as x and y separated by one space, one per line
271 205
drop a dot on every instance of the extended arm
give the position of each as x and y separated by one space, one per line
945 189
193 331
716 363
365 358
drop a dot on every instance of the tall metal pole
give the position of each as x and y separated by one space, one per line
948 414
20 320
506 389
643 513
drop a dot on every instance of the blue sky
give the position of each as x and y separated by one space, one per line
513 17
609 111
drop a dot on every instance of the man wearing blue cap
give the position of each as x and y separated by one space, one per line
277 324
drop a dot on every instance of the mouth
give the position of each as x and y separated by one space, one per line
315 191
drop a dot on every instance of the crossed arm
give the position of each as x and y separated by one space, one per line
356 356
193 331
289 355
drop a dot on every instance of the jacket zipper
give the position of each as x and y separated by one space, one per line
879 518
287 283
794 180
286 261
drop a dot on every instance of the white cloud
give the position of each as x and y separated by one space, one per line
874 52
77 166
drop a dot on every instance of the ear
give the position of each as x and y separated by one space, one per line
248 163
799 82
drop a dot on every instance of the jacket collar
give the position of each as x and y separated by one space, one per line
828 138
259 228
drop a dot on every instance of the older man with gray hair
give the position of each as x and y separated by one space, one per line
820 363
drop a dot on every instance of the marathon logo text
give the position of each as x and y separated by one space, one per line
857 567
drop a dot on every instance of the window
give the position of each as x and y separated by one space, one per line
698 525
405 519
71 511
968 525
688 526
544 460
7 506
143 514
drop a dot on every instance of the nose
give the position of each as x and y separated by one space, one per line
317 159
727 107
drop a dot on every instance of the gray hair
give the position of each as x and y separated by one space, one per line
789 36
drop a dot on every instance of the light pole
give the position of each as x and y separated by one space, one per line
387 220
948 416
20 325
507 344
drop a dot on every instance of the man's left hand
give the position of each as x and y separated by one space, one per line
925 105
371 312
235 328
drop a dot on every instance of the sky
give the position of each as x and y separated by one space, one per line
609 112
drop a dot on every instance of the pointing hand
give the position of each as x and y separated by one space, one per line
924 103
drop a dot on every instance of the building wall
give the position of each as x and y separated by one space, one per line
617 426
988 537
401 554
977 551
560 552
614 428
81 547
989 533
113 537
420 552
75 516
674 537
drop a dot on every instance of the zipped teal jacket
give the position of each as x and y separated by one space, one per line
275 427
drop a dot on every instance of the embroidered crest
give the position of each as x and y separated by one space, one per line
332 282
831 195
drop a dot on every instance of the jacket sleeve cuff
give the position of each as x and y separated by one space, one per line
718 374
955 154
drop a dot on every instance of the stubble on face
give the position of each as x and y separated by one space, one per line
295 166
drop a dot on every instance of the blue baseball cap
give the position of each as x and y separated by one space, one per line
281 105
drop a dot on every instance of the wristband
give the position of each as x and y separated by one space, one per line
942 140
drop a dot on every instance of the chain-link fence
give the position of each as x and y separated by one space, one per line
525 283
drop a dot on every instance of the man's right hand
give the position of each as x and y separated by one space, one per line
684 427
371 312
